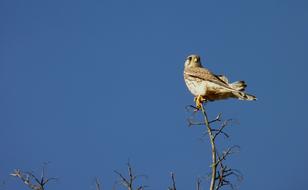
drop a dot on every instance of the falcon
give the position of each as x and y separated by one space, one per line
206 86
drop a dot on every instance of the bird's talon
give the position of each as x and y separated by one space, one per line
199 101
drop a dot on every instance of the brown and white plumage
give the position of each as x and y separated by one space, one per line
203 83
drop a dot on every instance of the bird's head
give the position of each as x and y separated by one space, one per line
193 61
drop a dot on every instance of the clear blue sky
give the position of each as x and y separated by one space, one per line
88 85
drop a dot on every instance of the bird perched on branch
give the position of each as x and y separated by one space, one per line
206 86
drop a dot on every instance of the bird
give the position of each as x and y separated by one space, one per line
206 86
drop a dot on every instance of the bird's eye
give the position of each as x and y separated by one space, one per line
189 58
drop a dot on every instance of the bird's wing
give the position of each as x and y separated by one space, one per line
223 78
204 74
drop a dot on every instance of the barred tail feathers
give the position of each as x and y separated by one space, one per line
238 85
244 96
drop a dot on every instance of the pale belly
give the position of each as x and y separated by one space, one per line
197 88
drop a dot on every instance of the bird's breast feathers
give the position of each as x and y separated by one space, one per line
196 87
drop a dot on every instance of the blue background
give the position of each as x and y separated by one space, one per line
89 85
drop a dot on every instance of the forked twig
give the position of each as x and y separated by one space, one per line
31 180
128 182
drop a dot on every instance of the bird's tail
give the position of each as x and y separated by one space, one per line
244 96
238 85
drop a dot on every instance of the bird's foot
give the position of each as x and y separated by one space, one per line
199 101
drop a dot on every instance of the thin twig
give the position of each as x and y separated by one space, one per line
226 153
191 122
97 184
220 130
218 118
198 184
128 182
173 182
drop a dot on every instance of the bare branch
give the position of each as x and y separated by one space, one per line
97 184
191 122
128 182
173 182
198 184
220 173
218 118
213 146
124 181
220 130
31 180
226 153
